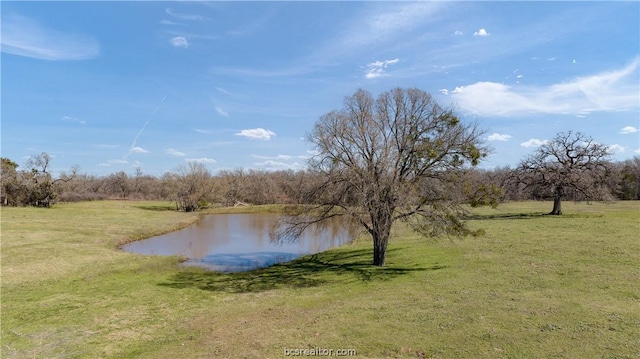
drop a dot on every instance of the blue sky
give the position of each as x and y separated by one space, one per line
111 86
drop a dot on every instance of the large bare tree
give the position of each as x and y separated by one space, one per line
571 162
398 156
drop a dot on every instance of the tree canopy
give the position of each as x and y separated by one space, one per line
570 162
399 156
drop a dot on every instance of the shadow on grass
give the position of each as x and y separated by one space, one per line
506 216
158 208
310 271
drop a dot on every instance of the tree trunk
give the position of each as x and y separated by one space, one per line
379 251
381 231
557 197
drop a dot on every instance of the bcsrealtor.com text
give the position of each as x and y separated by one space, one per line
319 352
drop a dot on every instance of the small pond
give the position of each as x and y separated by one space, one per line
241 242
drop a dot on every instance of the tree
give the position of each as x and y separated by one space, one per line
570 162
628 186
9 181
119 184
192 186
396 157
39 182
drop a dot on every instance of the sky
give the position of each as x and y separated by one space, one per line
114 86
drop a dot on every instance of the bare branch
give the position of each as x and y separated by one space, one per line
387 159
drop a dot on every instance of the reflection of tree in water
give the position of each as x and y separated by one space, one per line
260 225
236 242
332 232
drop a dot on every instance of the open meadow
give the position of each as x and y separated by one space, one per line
534 286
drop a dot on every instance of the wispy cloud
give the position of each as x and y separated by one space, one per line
221 112
113 162
482 32
179 41
385 23
262 72
616 148
224 91
182 16
206 132
201 160
498 137
173 152
607 91
458 33
278 157
73 119
378 68
105 146
628 129
257 134
168 22
534 142
134 148
138 150
271 165
23 36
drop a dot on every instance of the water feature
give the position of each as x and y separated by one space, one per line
240 242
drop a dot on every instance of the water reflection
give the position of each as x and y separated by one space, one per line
240 242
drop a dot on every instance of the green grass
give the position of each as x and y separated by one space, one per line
534 286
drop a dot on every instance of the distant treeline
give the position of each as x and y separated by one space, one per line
192 187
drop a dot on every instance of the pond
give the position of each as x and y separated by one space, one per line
241 242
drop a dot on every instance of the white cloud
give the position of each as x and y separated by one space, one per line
616 148
182 16
201 160
73 119
444 91
117 162
498 137
458 32
629 129
310 154
171 151
534 142
168 22
607 91
377 68
222 112
257 134
271 165
25 37
481 32
138 150
203 131
278 157
179 41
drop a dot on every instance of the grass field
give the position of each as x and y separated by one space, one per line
534 286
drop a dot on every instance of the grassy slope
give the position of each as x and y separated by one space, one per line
534 286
